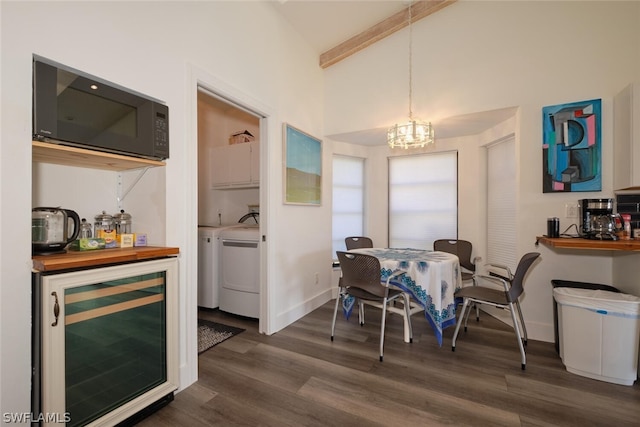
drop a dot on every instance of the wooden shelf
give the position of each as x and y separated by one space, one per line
48 152
99 257
601 245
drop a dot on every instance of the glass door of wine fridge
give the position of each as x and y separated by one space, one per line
107 342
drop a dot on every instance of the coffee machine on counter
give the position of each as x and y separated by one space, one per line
598 219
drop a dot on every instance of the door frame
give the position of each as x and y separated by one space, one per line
201 79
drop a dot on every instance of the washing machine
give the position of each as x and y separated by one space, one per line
240 270
209 265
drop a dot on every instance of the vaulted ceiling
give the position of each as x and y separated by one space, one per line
338 29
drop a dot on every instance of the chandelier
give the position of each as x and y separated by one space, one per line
414 133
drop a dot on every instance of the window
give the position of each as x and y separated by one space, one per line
348 200
501 204
423 199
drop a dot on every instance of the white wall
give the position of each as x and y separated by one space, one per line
155 49
480 56
89 192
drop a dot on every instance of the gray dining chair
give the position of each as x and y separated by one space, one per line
357 242
506 298
462 249
361 280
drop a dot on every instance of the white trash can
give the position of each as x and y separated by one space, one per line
599 333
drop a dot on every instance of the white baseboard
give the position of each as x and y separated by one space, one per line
286 318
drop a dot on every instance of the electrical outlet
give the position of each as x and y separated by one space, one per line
571 210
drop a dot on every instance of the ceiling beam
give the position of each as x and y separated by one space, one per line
395 22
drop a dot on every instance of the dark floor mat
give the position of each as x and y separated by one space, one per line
212 333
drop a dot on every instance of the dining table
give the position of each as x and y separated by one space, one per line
430 278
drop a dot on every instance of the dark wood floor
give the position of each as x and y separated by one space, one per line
298 377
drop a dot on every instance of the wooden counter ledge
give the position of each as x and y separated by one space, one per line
578 243
99 257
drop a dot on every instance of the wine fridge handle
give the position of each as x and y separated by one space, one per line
56 308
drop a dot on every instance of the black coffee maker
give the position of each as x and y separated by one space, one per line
598 220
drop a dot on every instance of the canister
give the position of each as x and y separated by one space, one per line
553 227
85 229
103 223
626 218
123 222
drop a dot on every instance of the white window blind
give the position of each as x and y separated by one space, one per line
423 199
501 206
348 200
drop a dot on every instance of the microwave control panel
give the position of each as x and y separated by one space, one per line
161 131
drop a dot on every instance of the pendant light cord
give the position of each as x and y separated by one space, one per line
415 133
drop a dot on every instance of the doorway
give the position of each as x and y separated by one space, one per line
228 161
229 194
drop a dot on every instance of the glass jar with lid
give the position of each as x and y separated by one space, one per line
123 222
85 229
103 223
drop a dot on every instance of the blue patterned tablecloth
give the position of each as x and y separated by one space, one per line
431 278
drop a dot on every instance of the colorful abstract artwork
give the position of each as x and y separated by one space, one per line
571 147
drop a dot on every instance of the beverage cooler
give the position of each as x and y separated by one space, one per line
105 346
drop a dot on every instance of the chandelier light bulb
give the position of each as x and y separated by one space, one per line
410 135
415 133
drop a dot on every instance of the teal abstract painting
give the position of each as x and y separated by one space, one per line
571 147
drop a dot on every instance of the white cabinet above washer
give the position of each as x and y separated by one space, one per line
235 166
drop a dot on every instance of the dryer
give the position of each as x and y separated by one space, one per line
240 271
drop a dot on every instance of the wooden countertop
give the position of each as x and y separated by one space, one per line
579 243
99 257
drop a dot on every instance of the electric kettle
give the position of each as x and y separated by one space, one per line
52 229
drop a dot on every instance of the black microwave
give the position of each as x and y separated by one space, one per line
73 108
